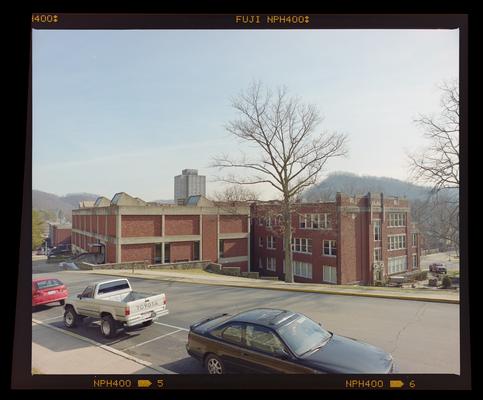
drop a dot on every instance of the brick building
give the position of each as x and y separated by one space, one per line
130 229
352 239
59 234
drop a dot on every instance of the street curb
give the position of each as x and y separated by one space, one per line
374 295
105 347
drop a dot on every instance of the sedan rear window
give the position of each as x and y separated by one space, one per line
49 283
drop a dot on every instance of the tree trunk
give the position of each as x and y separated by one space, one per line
287 218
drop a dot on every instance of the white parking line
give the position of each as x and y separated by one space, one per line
151 340
172 326
105 347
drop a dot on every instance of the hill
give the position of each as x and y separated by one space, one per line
53 206
354 184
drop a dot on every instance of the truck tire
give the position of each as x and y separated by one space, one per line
71 319
108 326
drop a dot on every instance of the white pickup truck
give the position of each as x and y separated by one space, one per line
116 304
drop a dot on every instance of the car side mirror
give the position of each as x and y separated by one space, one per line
79 296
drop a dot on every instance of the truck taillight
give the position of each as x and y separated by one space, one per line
127 311
165 299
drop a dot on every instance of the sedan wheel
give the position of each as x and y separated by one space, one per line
214 365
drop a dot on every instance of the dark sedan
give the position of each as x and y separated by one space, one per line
279 341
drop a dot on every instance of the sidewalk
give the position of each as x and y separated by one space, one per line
206 278
55 351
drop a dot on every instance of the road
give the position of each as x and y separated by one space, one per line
423 337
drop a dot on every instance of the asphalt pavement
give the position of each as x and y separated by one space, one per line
422 336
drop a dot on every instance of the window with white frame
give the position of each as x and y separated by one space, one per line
260 241
415 261
271 242
397 219
271 263
302 269
268 221
330 248
329 274
377 230
415 239
314 221
260 262
396 242
397 264
377 254
302 245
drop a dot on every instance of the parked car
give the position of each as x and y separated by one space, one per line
280 341
91 258
116 304
40 251
48 290
438 268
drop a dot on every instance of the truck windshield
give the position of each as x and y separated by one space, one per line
113 286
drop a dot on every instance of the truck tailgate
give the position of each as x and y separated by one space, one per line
146 308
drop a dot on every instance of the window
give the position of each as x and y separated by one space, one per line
302 245
302 334
377 230
88 292
157 253
260 241
262 339
415 261
329 274
113 286
232 333
48 283
377 254
196 251
302 269
330 248
271 241
260 262
271 263
222 248
396 242
313 221
397 264
415 239
268 221
397 219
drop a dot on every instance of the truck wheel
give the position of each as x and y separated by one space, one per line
148 323
108 326
70 318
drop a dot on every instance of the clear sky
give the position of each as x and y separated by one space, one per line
128 110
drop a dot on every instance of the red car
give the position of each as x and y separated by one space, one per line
48 290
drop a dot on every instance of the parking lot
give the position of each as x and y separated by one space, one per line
423 337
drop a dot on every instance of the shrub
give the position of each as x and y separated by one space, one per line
446 282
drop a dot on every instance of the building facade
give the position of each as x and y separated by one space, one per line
59 234
130 229
189 183
355 239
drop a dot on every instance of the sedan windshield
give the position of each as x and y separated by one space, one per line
303 335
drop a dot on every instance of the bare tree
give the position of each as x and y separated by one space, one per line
291 154
438 166
236 193
438 163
